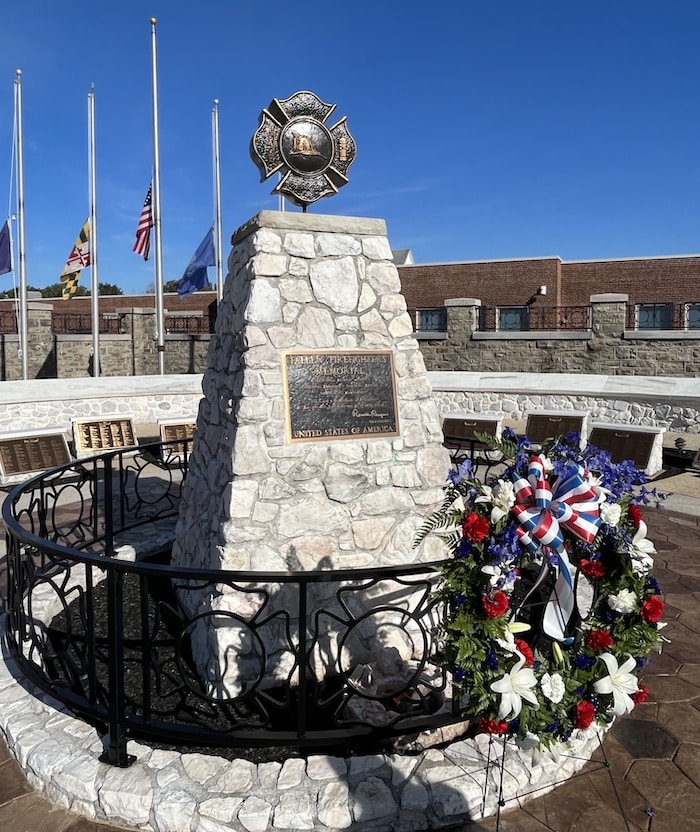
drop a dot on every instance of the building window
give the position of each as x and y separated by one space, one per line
692 316
655 316
512 319
431 320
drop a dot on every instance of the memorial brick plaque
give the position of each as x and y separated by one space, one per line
103 435
542 426
170 431
31 453
624 444
340 395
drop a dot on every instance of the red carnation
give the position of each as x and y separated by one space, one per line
652 609
492 726
592 568
496 606
598 640
524 649
640 696
475 527
585 714
636 515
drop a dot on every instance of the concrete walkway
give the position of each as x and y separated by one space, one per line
646 775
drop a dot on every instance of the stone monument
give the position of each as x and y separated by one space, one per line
318 445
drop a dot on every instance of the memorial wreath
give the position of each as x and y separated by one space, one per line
551 609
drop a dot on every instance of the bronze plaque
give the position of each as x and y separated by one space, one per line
543 426
103 435
340 395
458 427
28 454
169 432
624 444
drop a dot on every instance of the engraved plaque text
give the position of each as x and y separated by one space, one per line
340 395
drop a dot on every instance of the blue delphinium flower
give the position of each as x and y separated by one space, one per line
553 727
464 548
464 472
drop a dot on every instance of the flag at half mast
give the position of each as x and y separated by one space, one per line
5 249
143 231
195 276
78 259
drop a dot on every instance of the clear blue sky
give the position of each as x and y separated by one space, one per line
491 129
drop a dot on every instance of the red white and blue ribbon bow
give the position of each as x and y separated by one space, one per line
543 512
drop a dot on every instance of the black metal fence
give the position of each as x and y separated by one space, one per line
73 323
534 318
98 618
190 324
511 318
664 316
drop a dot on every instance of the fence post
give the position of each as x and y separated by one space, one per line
115 753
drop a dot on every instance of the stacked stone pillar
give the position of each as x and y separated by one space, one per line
253 500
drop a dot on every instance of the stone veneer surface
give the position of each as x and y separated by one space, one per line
252 499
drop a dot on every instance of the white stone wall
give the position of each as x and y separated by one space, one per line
663 402
55 403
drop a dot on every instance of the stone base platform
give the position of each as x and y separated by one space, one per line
170 791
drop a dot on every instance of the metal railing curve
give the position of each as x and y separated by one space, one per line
285 661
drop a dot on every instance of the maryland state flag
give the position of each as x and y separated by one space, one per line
78 259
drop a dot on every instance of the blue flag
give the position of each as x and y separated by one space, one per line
5 249
195 276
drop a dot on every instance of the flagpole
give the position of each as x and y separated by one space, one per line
95 299
217 203
23 343
160 314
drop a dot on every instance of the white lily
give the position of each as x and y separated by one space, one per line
515 686
640 551
619 682
501 497
624 602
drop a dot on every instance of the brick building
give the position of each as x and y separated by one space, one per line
662 286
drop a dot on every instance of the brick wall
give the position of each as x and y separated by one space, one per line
512 282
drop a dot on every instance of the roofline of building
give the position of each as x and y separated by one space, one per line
552 257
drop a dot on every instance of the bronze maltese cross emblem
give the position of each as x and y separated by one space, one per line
294 141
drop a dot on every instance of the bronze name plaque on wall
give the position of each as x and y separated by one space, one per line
27 454
340 395
103 434
177 430
624 444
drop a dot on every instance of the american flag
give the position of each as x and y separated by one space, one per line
143 232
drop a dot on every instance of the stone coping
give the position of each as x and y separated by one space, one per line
533 335
607 386
103 387
293 221
571 384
